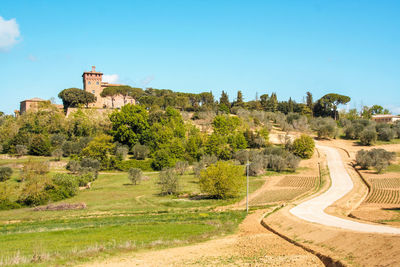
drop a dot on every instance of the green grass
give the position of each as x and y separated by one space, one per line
119 217
393 168
391 142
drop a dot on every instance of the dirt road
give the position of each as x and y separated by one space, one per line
313 209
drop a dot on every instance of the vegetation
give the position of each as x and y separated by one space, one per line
169 182
74 97
303 147
5 173
221 180
135 175
380 159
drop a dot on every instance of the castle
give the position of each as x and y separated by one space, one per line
92 83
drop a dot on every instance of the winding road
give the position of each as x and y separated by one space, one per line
313 209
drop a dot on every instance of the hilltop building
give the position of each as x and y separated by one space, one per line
33 105
93 83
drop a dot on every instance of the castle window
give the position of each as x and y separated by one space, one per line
93 91
97 83
88 82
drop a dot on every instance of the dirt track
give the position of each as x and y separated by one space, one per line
313 209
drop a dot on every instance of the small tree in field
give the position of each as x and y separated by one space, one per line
57 154
5 173
368 137
181 167
303 147
135 175
21 150
169 182
222 180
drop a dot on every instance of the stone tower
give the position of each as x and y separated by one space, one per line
92 84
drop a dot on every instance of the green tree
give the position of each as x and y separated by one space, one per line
328 104
129 124
224 101
309 101
99 148
111 92
135 175
162 159
5 173
73 97
222 180
169 182
40 146
303 146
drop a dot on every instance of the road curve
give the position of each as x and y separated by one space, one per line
313 210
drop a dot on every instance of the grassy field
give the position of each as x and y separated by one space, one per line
119 217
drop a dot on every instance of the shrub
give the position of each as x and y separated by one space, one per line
292 162
68 185
162 159
386 134
242 156
303 146
89 165
35 192
377 158
169 182
121 152
181 167
57 154
34 168
73 166
57 140
256 167
5 173
135 175
350 132
222 180
144 165
277 163
368 137
21 150
325 127
86 178
140 151
40 146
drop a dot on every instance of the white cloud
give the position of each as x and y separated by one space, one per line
32 58
110 78
9 33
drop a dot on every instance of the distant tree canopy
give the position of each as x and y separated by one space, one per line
327 105
74 97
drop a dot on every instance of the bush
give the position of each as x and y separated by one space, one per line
40 146
242 156
89 165
21 150
325 127
222 180
303 147
292 162
277 163
144 165
386 134
121 152
368 137
57 154
169 182
377 158
5 173
86 178
140 151
162 159
35 192
34 168
256 167
181 167
73 166
135 175
68 186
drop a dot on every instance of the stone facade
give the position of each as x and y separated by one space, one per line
93 83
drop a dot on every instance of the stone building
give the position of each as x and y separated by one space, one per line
385 118
33 105
93 83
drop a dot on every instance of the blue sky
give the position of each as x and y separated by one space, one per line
288 47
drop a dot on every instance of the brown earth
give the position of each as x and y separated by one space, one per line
253 245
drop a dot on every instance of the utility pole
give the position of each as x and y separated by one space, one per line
247 188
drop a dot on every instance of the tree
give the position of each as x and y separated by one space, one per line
181 167
330 102
222 180
99 148
239 99
73 97
21 150
135 175
140 152
129 124
162 159
303 146
40 146
376 109
111 92
169 182
224 101
368 137
5 173
57 154
309 101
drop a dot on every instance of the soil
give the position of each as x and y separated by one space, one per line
253 245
